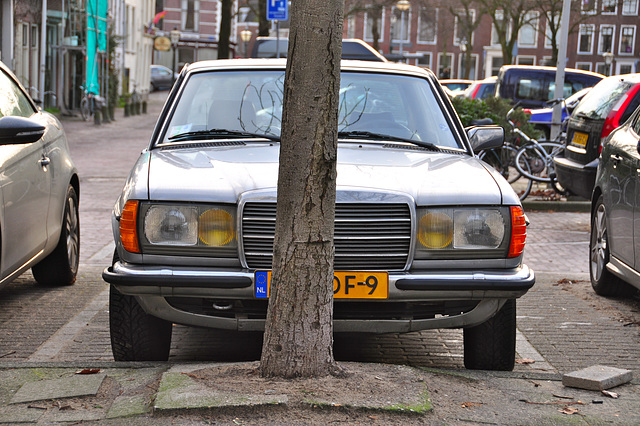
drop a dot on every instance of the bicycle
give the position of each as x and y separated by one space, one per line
534 159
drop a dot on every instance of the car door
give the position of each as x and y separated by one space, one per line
621 161
24 186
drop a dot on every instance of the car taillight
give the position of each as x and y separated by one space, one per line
526 110
475 92
518 231
129 227
614 119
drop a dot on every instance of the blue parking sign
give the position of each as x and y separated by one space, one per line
277 10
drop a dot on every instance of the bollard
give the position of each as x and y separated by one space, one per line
138 108
112 112
96 117
144 107
127 110
105 115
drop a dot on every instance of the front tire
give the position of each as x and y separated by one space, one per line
61 266
603 282
492 344
136 335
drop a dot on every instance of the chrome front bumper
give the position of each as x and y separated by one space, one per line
151 286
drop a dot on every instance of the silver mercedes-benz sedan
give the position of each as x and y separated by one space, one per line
39 191
434 235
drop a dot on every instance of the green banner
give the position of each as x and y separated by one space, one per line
96 41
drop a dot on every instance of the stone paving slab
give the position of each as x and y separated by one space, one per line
597 377
66 387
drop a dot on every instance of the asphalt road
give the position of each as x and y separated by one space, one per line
562 325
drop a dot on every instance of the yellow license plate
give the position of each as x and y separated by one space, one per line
346 284
580 139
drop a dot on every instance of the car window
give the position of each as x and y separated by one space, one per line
251 101
13 102
601 99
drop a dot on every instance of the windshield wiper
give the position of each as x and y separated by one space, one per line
363 134
221 133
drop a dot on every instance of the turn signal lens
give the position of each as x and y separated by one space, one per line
518 231
128 227
435 230
215 228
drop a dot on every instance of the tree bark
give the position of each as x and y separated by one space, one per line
298 338
224 35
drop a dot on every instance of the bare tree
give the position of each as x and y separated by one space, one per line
224 35
373 9
298 339
469 19
551 11
508 17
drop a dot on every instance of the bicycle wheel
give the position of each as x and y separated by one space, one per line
85 111
539 159
503 160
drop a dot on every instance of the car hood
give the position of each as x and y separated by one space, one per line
223 174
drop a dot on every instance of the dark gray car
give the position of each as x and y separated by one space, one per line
615 214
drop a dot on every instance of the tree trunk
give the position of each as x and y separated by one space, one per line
263 23
298 338
225 29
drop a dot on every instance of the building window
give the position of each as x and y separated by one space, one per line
525 60
368 25
547 33
427 25
625 69
630 7
609 7
424 61
585 66
400 24
473 65
190 14
351 27
499 20
585 39
458 36
627 39
605 43
589 7
529 31
602 68
445 61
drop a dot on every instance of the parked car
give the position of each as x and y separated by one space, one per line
194 226
162 77
533 86
352 48
608 105
482 89
456 86
615 245
39 190
542 118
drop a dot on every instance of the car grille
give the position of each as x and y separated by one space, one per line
367 236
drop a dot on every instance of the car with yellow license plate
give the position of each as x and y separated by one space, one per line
607 106
426 234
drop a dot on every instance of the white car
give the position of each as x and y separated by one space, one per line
426 235
39 191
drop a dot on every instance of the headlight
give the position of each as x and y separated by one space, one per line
188 229
462 232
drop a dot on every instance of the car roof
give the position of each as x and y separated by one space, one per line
275 64
546 68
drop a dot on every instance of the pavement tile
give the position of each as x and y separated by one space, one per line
65 387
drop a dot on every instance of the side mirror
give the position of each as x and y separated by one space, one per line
485 137
19 130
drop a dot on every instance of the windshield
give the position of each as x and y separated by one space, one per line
601 99
251 102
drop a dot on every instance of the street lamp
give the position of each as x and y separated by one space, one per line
402 6
245 35
608 60
175 39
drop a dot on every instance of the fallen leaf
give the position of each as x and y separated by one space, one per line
610 394
471 404
88 371
569 410
525 361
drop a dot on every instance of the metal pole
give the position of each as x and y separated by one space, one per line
556 118
401 32
277 39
